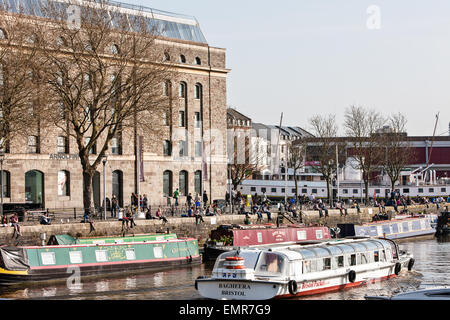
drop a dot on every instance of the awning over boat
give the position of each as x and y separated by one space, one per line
14 259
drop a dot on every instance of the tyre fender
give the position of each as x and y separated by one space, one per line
398 268
410 264
292 286
352 275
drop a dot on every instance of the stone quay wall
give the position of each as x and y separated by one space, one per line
185 227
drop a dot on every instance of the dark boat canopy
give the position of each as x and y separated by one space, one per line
14 259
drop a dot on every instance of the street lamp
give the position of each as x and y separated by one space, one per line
104 159
2 157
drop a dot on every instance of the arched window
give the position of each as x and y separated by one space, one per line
198 182
61 42
198 61
6 184
63 183
167 183
3 34
114 49
34 186
198 91
117 186
184 183
166 56
182 90
182 58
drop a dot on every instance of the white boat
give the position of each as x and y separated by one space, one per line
288 270
442 293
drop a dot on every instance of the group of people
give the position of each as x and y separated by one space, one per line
12 221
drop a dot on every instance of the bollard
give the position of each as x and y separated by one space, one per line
75 213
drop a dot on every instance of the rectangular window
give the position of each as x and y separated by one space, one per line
355 191
130 254
352 260
48 258
101 255
406 190
301 235
420 190
198 148
377 191
293 191
181 118
273 190
167 148
345 191
158 252
376 256
165 118
75 257
319 234
197 120
182 147
33 144
430 189
116 146
62 145
443 190
283 190
340 261
263 189
314 191
326 264
304 191
252 189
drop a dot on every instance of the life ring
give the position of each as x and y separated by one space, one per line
410 264
352 275
292 286
398 268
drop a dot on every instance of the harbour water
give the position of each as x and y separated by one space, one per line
432 267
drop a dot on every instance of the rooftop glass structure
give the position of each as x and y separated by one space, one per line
170 25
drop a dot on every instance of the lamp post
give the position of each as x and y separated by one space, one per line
2 157
104 159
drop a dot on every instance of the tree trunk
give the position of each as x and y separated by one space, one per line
328 192
366 187
87 191
296 188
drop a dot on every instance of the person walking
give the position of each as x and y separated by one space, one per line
144 203
176 194
205 198
114 206
189 200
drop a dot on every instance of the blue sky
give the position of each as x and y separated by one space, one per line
319 57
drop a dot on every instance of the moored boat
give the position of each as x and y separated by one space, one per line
230 237
437 293
399 228
289 270
94 257
443 224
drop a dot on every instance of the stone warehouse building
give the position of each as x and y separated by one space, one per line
45 167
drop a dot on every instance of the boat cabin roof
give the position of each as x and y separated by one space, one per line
326 249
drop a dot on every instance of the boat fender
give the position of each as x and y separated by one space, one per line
352 275
292 286
410 264
398 268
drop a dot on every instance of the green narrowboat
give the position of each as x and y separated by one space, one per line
95 256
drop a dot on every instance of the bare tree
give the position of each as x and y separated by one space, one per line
246 160
363 126
19 92
397 150
297 158
105 80
322 148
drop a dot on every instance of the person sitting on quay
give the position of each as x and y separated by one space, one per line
343 209
128 219
198 215
44 219
293 210
190 212
159 215
5 221
260 216
266 211
324 208
15 223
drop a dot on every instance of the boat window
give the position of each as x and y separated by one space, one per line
326 264
352 260
383 256
339 261
76 257
130 254
376 256
158 252
363 258
306 266
271 263
250 259
48 258
101 255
